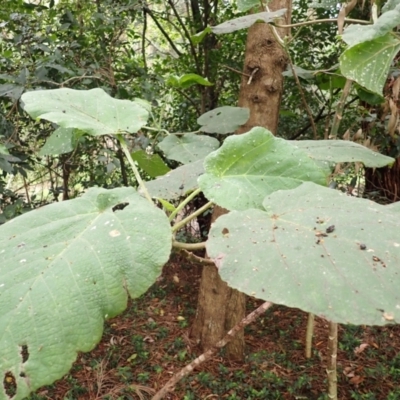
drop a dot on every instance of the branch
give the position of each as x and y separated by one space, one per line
144 38
320 21
165 34
198 259
209 353
192 49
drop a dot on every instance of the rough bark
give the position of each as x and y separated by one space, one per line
220 307
385 181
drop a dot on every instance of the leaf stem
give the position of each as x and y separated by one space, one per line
189 246
186 220
309 334
139 179
183 203
332 356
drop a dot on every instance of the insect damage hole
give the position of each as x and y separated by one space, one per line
120 206
24 353
9 384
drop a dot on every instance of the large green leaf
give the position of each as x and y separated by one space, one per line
368 63
67 267
176 183
355 33
188 147
223 120
315 249
247 21
92 111
250 166
339 151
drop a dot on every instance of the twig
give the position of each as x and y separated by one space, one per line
320 21
207 355
165 34
236 70
195 258
339 109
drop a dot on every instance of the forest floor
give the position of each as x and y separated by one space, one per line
142 348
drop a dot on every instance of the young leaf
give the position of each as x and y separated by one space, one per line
188 147
187 80
152 164
315 249
223 120
339 151
92 111
247 21
176 183
250 166
67 267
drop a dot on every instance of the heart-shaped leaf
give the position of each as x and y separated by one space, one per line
188 147
223 120
315 249
67 267
250 166
92 111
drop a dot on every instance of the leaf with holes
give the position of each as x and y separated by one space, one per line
223 120
315 249
368 63
248 167
188 147
67 267
339 151
92 111
176 183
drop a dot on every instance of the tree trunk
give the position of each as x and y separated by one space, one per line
220 307
385 181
